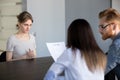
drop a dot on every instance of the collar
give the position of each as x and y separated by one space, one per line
117 36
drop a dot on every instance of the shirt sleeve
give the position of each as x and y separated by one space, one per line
57 67
113 57
55 70
9 45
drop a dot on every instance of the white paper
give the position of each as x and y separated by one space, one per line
56 49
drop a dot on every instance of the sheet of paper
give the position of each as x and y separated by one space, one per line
56 49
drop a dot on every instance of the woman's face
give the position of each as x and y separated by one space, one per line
25 27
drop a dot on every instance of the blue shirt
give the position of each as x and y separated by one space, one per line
113 56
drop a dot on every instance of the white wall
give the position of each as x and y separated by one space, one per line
116 4
51 17
49 22
87 9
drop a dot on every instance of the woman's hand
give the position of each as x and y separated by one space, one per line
31 54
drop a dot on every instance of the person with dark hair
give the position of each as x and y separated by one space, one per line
109 27
83 59
21 45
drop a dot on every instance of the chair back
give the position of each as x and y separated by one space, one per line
3 56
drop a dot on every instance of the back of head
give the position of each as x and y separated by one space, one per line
110 15
80 36
24 16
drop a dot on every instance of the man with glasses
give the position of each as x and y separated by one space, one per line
109 27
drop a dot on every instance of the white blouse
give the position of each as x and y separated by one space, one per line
74 66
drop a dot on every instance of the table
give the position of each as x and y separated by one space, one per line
30 69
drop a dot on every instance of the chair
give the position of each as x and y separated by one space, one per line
3 56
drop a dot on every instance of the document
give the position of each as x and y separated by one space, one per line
56 49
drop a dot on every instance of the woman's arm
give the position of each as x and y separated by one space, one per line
55 70
9 55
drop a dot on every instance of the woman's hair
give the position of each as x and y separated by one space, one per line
24 16
80 36
110 14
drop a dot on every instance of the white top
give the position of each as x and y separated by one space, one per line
75 67
19 47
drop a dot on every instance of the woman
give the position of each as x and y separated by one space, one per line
21 45
83 59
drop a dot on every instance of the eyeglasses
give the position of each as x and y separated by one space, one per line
104 26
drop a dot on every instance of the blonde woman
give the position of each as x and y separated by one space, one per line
21 45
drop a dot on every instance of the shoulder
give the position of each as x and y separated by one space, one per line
65 58
69 54
116 42
32 36
12 37
114 48
11 40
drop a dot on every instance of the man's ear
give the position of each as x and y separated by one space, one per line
114 26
